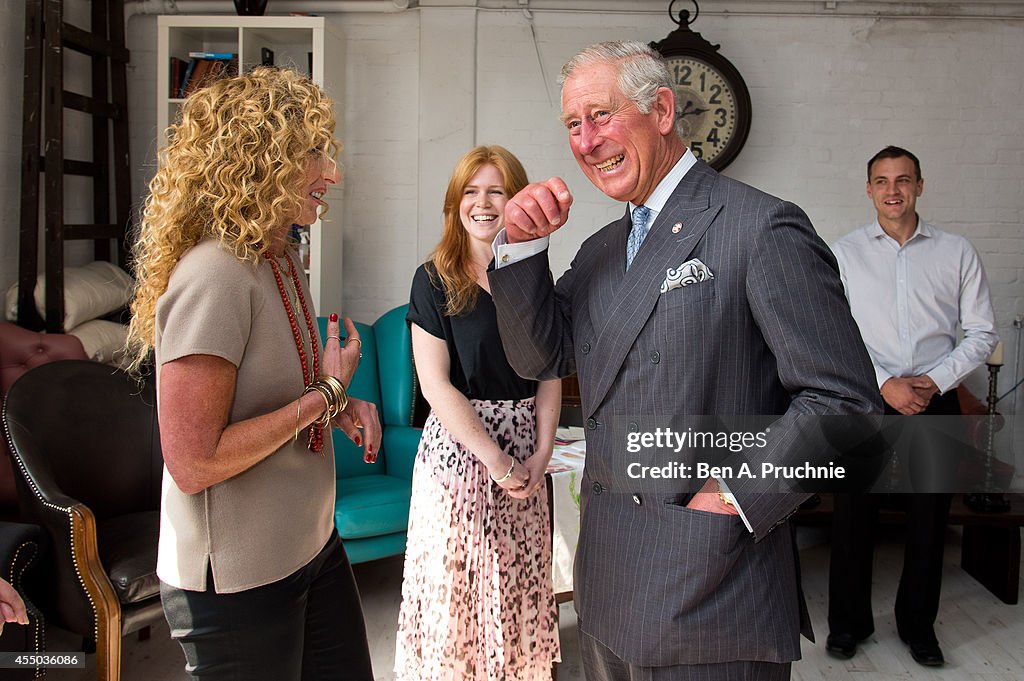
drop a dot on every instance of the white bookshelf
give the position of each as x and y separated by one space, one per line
293 40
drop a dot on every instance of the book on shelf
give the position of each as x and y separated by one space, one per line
178 67
202 71
227 56
187 77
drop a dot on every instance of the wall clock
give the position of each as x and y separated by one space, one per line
712 101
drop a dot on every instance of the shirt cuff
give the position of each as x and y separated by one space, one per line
729 495
506 254
943 378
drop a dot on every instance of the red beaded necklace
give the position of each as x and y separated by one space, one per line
316 433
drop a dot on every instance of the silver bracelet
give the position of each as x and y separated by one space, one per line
507 475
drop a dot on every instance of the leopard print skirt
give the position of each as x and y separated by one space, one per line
477 595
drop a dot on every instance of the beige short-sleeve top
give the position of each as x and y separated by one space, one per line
270 520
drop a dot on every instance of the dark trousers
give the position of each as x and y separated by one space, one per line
306 627
853 537
601 664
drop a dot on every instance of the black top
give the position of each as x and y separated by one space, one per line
479 368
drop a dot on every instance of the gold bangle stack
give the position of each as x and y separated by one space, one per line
334 396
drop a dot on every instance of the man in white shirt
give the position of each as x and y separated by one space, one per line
910 286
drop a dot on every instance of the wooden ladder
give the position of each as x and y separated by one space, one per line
46 37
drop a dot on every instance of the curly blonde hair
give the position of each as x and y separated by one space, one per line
451 257
232 170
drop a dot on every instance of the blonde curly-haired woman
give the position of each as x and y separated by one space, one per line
254 579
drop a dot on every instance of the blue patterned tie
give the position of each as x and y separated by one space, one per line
637 234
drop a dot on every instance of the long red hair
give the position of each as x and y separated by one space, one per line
451 257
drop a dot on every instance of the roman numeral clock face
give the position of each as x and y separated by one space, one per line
708 110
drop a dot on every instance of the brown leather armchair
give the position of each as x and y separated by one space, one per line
20 350
86 444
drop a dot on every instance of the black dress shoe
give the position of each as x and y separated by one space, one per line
843 646
927 654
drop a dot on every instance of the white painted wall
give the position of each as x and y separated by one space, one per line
12 64
828 90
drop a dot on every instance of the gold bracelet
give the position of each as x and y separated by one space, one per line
337 388
298 416
325 393
332 401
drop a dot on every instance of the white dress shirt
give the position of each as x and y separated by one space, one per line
909 299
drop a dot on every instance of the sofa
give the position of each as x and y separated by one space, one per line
372 506
20 350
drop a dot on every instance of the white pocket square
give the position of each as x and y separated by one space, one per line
690 272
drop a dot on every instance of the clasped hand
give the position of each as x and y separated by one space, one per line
909 395
534 468
340 360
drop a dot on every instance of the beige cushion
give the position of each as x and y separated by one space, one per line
103 341
90 291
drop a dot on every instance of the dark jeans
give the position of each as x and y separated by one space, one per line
306 627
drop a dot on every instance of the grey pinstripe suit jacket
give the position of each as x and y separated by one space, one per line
771 334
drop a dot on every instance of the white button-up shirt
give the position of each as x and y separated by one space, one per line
909 299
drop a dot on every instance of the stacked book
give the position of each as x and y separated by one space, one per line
200 70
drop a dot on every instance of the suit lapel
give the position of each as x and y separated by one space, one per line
610 273
624 308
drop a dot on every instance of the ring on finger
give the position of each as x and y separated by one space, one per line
337 338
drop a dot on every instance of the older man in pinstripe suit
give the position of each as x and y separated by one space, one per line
672 585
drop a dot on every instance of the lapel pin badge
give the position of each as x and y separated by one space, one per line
676 228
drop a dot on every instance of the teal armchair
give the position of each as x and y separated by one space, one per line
372 507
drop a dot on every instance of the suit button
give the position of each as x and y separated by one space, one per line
637 500
591 424
585 348
633 427
598 488
655 357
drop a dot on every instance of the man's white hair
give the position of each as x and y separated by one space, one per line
641 71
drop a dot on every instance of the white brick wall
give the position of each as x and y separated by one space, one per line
12 50
828 91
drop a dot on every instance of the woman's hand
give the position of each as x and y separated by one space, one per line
360 414
12 608
516 482
536 466
340 360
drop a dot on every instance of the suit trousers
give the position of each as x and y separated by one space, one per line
853 531
601 664
306 627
